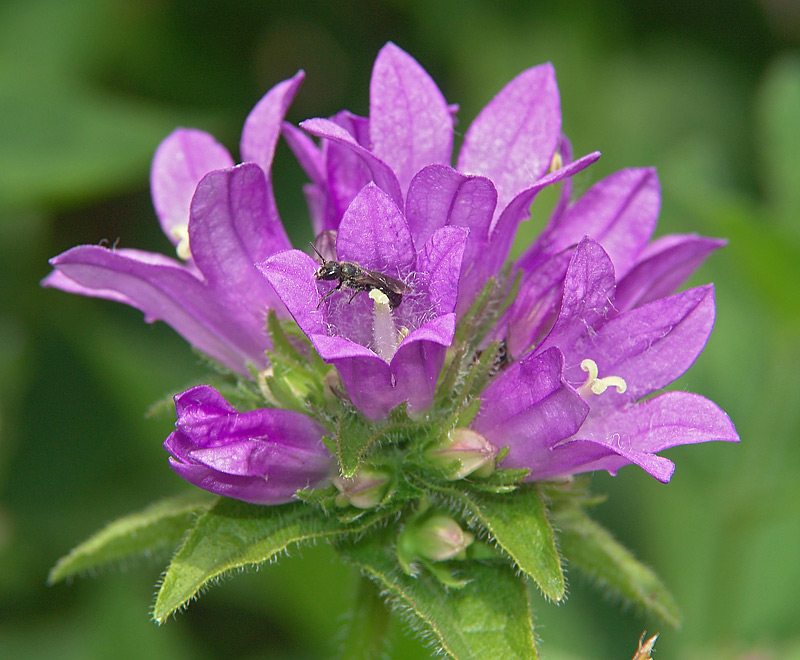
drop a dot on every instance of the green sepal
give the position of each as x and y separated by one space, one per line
233 535
519 525
353 439
489 617
159 527
590 548
468 413
500 481
444 574
296 378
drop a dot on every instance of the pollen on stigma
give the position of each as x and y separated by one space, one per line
595 385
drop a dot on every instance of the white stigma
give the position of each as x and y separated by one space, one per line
384 332
595 385
181 232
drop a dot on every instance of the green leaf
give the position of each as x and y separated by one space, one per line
590 547
160 526
353 439
490 617
234 535
366 627
519 525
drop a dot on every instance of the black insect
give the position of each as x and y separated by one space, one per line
358 279
501 358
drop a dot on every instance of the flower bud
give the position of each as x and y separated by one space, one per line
465 450
364 490
437 538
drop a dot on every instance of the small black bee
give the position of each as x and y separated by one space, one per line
358 279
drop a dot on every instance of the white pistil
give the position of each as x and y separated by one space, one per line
181 232
595 385
384 331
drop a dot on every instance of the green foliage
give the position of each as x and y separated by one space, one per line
157 528
519 525
490 617
591 548
233 535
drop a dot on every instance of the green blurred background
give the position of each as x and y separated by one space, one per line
709 92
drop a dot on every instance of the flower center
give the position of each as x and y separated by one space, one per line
384 331
181 232
595 385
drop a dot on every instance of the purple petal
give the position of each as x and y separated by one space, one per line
374 234
565 196
375 387
586 300
662 267
419 359
649 347
232 228
262 128
535 309
381 173
439 267
634 434
504 230
667 420
529 408
439 196
181 160
293 276
57 280
619 212
254 490
356 125
409 121
578 456
167 291
232 224
367 378
513 139
262 456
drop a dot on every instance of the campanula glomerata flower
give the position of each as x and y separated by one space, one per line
383 356
405 148
401 389
263 456
406 245
222 220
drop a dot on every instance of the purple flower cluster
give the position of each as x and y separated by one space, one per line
593 331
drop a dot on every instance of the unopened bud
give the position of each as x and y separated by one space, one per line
465 452
437 538
364 490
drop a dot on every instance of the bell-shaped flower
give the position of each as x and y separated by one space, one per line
512 150
221 219
620 213
385 353
581 396
262 456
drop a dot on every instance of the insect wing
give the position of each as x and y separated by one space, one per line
383 282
